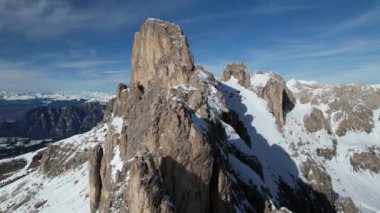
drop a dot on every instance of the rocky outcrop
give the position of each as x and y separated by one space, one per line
359 118
272 87
7 168
319 179
346 205
117 105
58 159
328 153
316 121
95 183
269 86
238 71
367 160
347 107
160 52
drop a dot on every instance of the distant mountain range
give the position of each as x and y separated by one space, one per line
30 121
56 96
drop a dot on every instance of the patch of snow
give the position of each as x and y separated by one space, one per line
260 80
116 162
267 143
185 88
65 193
117 123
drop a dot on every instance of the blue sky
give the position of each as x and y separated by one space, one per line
77 45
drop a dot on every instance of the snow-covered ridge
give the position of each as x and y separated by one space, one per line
260 79
57 96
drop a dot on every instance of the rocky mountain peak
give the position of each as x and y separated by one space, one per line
272 87
267 85
238 71
160 53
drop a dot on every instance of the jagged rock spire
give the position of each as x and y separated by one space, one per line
160 53
238 71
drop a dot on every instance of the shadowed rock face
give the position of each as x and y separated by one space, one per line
95 182
320 180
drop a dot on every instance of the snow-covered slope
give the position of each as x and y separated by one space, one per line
283 152
34 191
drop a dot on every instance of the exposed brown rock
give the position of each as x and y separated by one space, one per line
316 121
360 118
168 162
9 167
347 206
327 153
319 179
95 184
57 159
351 105
160 52
368 160
279 98
238 71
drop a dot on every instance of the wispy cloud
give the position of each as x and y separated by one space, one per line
55 17
266 10
82 64
315 49
370 17
82 53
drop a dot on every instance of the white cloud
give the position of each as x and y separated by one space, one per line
82 64
302 50
265 10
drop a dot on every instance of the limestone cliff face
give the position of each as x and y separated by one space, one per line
160 52
160 158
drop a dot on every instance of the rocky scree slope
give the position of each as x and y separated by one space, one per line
178 140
